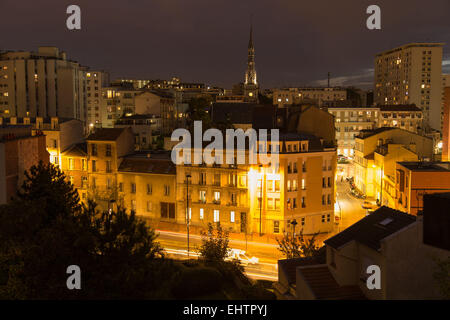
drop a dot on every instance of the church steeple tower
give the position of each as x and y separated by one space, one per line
251 83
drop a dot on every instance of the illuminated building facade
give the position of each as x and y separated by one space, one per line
411 74
60 133
95 82
377 151
415 179
41 84
300 189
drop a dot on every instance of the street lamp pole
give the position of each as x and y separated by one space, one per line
261 202
187 211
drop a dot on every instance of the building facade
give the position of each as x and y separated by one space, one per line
411 74
415 179
348 122
19 150
95 82
321 96
41 84
376 151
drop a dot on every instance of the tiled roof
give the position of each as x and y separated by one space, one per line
366 133
106 134
144 165
325 287
76 150
373 228
289 266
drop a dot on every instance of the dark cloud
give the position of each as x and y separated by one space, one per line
297 42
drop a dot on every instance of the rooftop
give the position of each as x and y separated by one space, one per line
289 266
324 286
400 107
106 134
426 166
372 229
76 150
366 133
147 165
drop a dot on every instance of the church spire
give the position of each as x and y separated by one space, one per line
251 84
250 41
250 75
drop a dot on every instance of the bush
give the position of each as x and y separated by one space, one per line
197 281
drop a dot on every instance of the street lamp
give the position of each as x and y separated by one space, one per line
261 202
187 211
294 223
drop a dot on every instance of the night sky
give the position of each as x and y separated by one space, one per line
297 42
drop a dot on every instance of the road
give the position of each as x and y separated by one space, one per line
348 207
175 245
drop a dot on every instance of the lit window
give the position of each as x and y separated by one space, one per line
216 215
232 216
201 213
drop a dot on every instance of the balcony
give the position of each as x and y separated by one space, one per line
216 202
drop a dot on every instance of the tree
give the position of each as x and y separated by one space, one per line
215 243
442 276
297 246
45 230
198 111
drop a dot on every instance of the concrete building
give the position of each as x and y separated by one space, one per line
146 128
117 101
74 164
106 149
411 74
60 133
41 84
376 151
19 150
446 126
320 96
147 185
348 122
407 117
394 241
415 179
301 189
95 82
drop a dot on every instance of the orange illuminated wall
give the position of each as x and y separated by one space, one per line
446 126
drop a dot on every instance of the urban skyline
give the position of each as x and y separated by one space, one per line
174 150
292 50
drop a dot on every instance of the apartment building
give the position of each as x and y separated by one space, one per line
415 179
19 150
60 133
95 82
106 149
349 121
163 105
411 74
116 102
41 84
146 128
407 117
376 152
401 245
147 185
320 96
446 126
74 164
257 199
